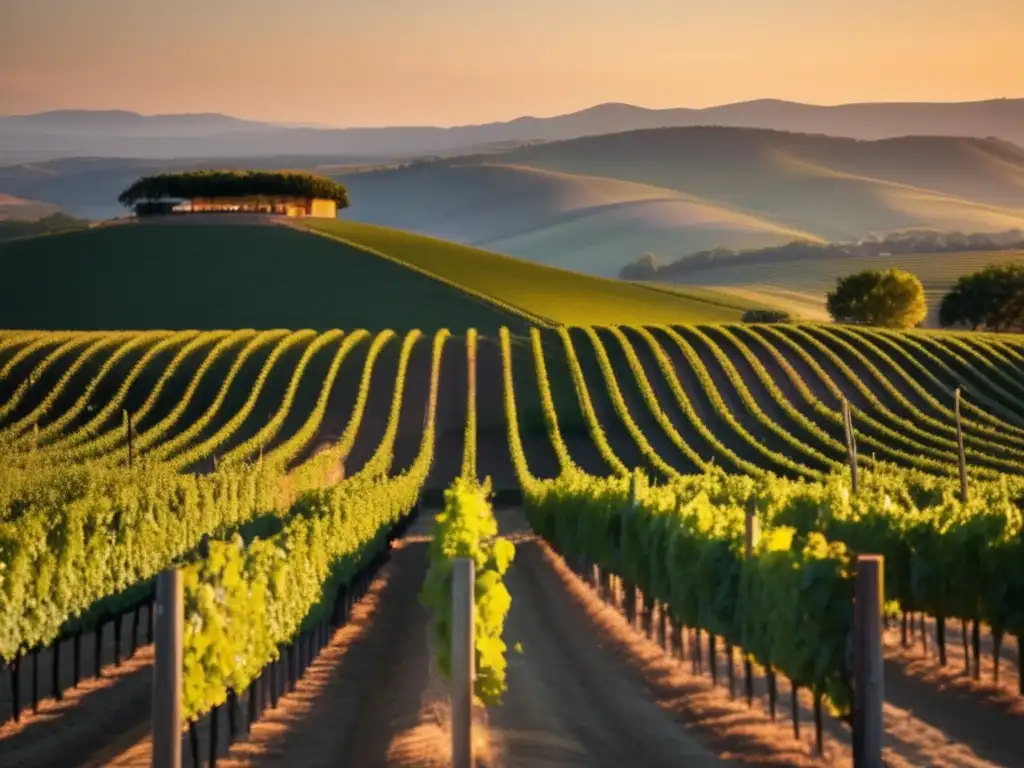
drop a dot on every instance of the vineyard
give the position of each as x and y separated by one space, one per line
280 468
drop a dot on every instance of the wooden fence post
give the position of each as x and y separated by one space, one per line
753 533
128 433
868 672
463 661
629 588
851 442
167 670
960 449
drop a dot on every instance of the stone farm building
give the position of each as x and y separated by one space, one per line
296 206
274 193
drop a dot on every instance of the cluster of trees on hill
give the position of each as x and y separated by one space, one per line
233 184
647 267
57 222
991 299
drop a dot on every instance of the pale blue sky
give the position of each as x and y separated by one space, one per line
374 62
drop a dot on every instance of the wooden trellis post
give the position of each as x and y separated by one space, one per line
960 449
851 442
463 661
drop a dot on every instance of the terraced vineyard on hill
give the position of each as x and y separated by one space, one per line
312 449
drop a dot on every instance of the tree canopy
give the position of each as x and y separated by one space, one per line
766 316
895 243
991 298
893 299
269 184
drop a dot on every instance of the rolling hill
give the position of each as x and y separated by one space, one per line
12 207
548 295
205 276
181 276
595 203
573 221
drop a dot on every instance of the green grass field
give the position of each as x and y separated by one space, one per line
210 276
800 285
706 295
555 295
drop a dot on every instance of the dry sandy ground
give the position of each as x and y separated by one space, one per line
90 717
924 727
571 699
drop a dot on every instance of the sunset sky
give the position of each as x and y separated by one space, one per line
444 62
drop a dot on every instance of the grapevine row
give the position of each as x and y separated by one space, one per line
328 537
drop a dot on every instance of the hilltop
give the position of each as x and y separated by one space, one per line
202 276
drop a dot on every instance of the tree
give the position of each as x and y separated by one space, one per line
893 299
766 316
216 183
992 298
644 268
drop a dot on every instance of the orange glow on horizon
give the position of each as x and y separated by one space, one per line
456 62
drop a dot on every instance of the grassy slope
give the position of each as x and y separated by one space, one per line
220 276
800 285
708 295
554 294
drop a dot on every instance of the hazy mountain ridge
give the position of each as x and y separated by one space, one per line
117 133
84 122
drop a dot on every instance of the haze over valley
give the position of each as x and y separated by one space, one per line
594 204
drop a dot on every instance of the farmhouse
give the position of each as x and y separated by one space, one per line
285 206
273 193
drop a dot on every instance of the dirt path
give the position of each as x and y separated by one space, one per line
570 701
362 700
88 717
925 726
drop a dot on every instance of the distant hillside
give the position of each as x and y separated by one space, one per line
909 243
800 284
19 208
89 186
119 122
11 229
585 223
126 134
595 204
